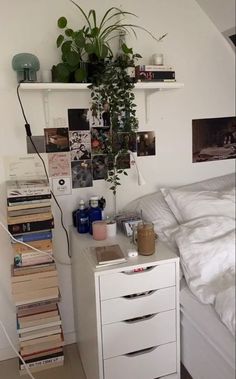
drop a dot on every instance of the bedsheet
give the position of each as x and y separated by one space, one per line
207 255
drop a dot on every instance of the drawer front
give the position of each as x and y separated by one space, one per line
137 334
148 364
123 308
123 283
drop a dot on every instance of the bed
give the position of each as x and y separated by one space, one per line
207 315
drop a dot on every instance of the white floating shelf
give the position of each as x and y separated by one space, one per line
84 86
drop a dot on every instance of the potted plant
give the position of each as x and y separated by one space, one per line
91 43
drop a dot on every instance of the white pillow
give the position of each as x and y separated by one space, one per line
188 206
155 209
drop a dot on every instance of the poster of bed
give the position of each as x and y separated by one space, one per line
213 139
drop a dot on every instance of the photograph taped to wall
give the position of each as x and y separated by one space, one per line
146 144
78 119
124 140
57 139
59 164
81 174
39 142
100 168
100 139
80 145
213 139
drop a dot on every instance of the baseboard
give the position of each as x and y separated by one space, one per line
8 353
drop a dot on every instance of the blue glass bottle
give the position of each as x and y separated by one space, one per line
94 213
82 218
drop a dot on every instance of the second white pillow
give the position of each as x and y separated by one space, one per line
188 206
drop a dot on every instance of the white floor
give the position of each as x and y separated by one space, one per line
72 368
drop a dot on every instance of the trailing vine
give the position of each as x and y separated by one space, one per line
114 87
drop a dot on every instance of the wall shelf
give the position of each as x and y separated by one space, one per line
84 86
148 87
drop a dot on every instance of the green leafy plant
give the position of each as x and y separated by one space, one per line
91 43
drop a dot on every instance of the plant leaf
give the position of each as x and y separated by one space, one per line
60 39
69 32
80 75
72 58
62 22
66 47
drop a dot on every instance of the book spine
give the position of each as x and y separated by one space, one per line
31 226
23 199
154 68
15 193
43 245
155 75
46 235
36 363
12 220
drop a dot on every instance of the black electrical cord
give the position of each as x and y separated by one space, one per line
29 135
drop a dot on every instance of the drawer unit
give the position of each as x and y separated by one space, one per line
127 315
127 336
149 364
126 283
131 306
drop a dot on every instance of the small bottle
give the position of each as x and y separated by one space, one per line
94 212
82 219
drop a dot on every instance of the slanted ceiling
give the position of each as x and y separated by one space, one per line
222 14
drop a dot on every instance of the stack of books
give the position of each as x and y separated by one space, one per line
35 287
154 73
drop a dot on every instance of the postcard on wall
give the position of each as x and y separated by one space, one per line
39 142
146 144
100 168
61 186
82 174
23 167
78 119
59 164
56 139
213 139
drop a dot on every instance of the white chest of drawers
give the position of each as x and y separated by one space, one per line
127 322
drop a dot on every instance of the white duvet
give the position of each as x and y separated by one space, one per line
207 254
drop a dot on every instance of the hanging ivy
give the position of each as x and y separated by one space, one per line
114 88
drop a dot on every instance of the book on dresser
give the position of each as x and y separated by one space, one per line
109 255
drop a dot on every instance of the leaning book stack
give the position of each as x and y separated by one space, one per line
35 286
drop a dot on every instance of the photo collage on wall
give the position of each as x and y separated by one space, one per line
79 154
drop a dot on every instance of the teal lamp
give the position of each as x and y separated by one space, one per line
26 66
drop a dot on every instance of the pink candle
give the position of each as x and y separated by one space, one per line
99 230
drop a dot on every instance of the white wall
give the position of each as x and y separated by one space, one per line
203 61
